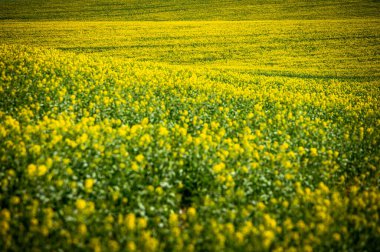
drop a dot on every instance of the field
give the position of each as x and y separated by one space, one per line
189 125
315 48
182 10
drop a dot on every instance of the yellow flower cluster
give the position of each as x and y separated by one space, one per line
108 155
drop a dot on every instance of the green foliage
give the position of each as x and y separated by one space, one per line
175 10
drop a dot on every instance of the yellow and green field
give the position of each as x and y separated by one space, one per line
189 125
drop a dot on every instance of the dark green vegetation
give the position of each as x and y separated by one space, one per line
175 10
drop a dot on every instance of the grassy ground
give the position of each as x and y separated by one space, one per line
175 10
122 134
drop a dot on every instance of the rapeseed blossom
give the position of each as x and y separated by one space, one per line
88 184
145 157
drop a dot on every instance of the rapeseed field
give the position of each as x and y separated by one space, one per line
311 48
255 135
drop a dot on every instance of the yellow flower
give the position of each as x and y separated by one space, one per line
32 169
191 212
59 182
140 158
269 221
323 187
130 221
35 149
113 245
4 227
268 237
145 121
313 152
285 204
82 229
288 176
15 200
307 248
109 219
336 236
301 225
150 188
218 167
90 207
162 131
321 228
198 228
88 183
69 171
134 166
131 246
229 228
354 189
288 224
159 190
151 244
41 170
261 206
175 232
6 214
95 244
142 223
80 204
145 140
239 237
173 219
49 163
284 146
287 164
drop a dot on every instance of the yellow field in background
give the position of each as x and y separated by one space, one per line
339 48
